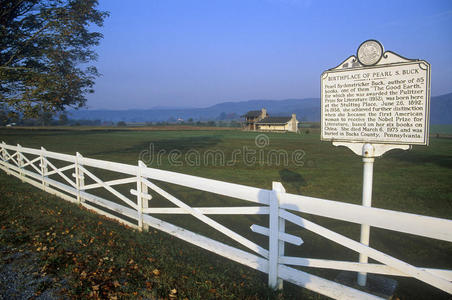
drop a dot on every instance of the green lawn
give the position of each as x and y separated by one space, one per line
445 129
415 181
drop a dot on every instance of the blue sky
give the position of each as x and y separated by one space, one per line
192 53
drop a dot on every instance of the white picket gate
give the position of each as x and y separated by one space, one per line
33 166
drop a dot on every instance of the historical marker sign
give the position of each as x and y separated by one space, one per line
377 97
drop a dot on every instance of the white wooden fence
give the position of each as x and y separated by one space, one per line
33 166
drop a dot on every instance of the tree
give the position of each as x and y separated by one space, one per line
42 45
63 119
45 118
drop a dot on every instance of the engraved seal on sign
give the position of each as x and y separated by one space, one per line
370 52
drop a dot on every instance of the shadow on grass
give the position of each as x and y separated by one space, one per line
292 178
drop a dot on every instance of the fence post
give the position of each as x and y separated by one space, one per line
279 188
145 201
20 162
273 246
140 194
4 158
79 177
44 169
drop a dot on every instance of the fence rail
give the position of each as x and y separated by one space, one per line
34 166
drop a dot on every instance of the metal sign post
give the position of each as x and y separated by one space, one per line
373 102
368 153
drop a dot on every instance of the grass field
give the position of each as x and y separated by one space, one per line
445 129
415 181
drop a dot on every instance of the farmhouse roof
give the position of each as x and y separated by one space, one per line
274 120
252 114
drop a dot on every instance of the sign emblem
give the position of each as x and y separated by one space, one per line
370 52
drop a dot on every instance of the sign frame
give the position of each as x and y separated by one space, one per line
387 59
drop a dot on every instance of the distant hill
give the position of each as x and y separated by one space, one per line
306 110
441 109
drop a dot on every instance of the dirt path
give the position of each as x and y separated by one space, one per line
20 277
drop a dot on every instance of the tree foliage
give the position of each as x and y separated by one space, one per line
43 44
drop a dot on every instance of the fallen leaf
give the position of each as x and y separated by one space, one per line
95 287
173 291
156 272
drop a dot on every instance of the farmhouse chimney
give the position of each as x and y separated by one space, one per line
294 123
